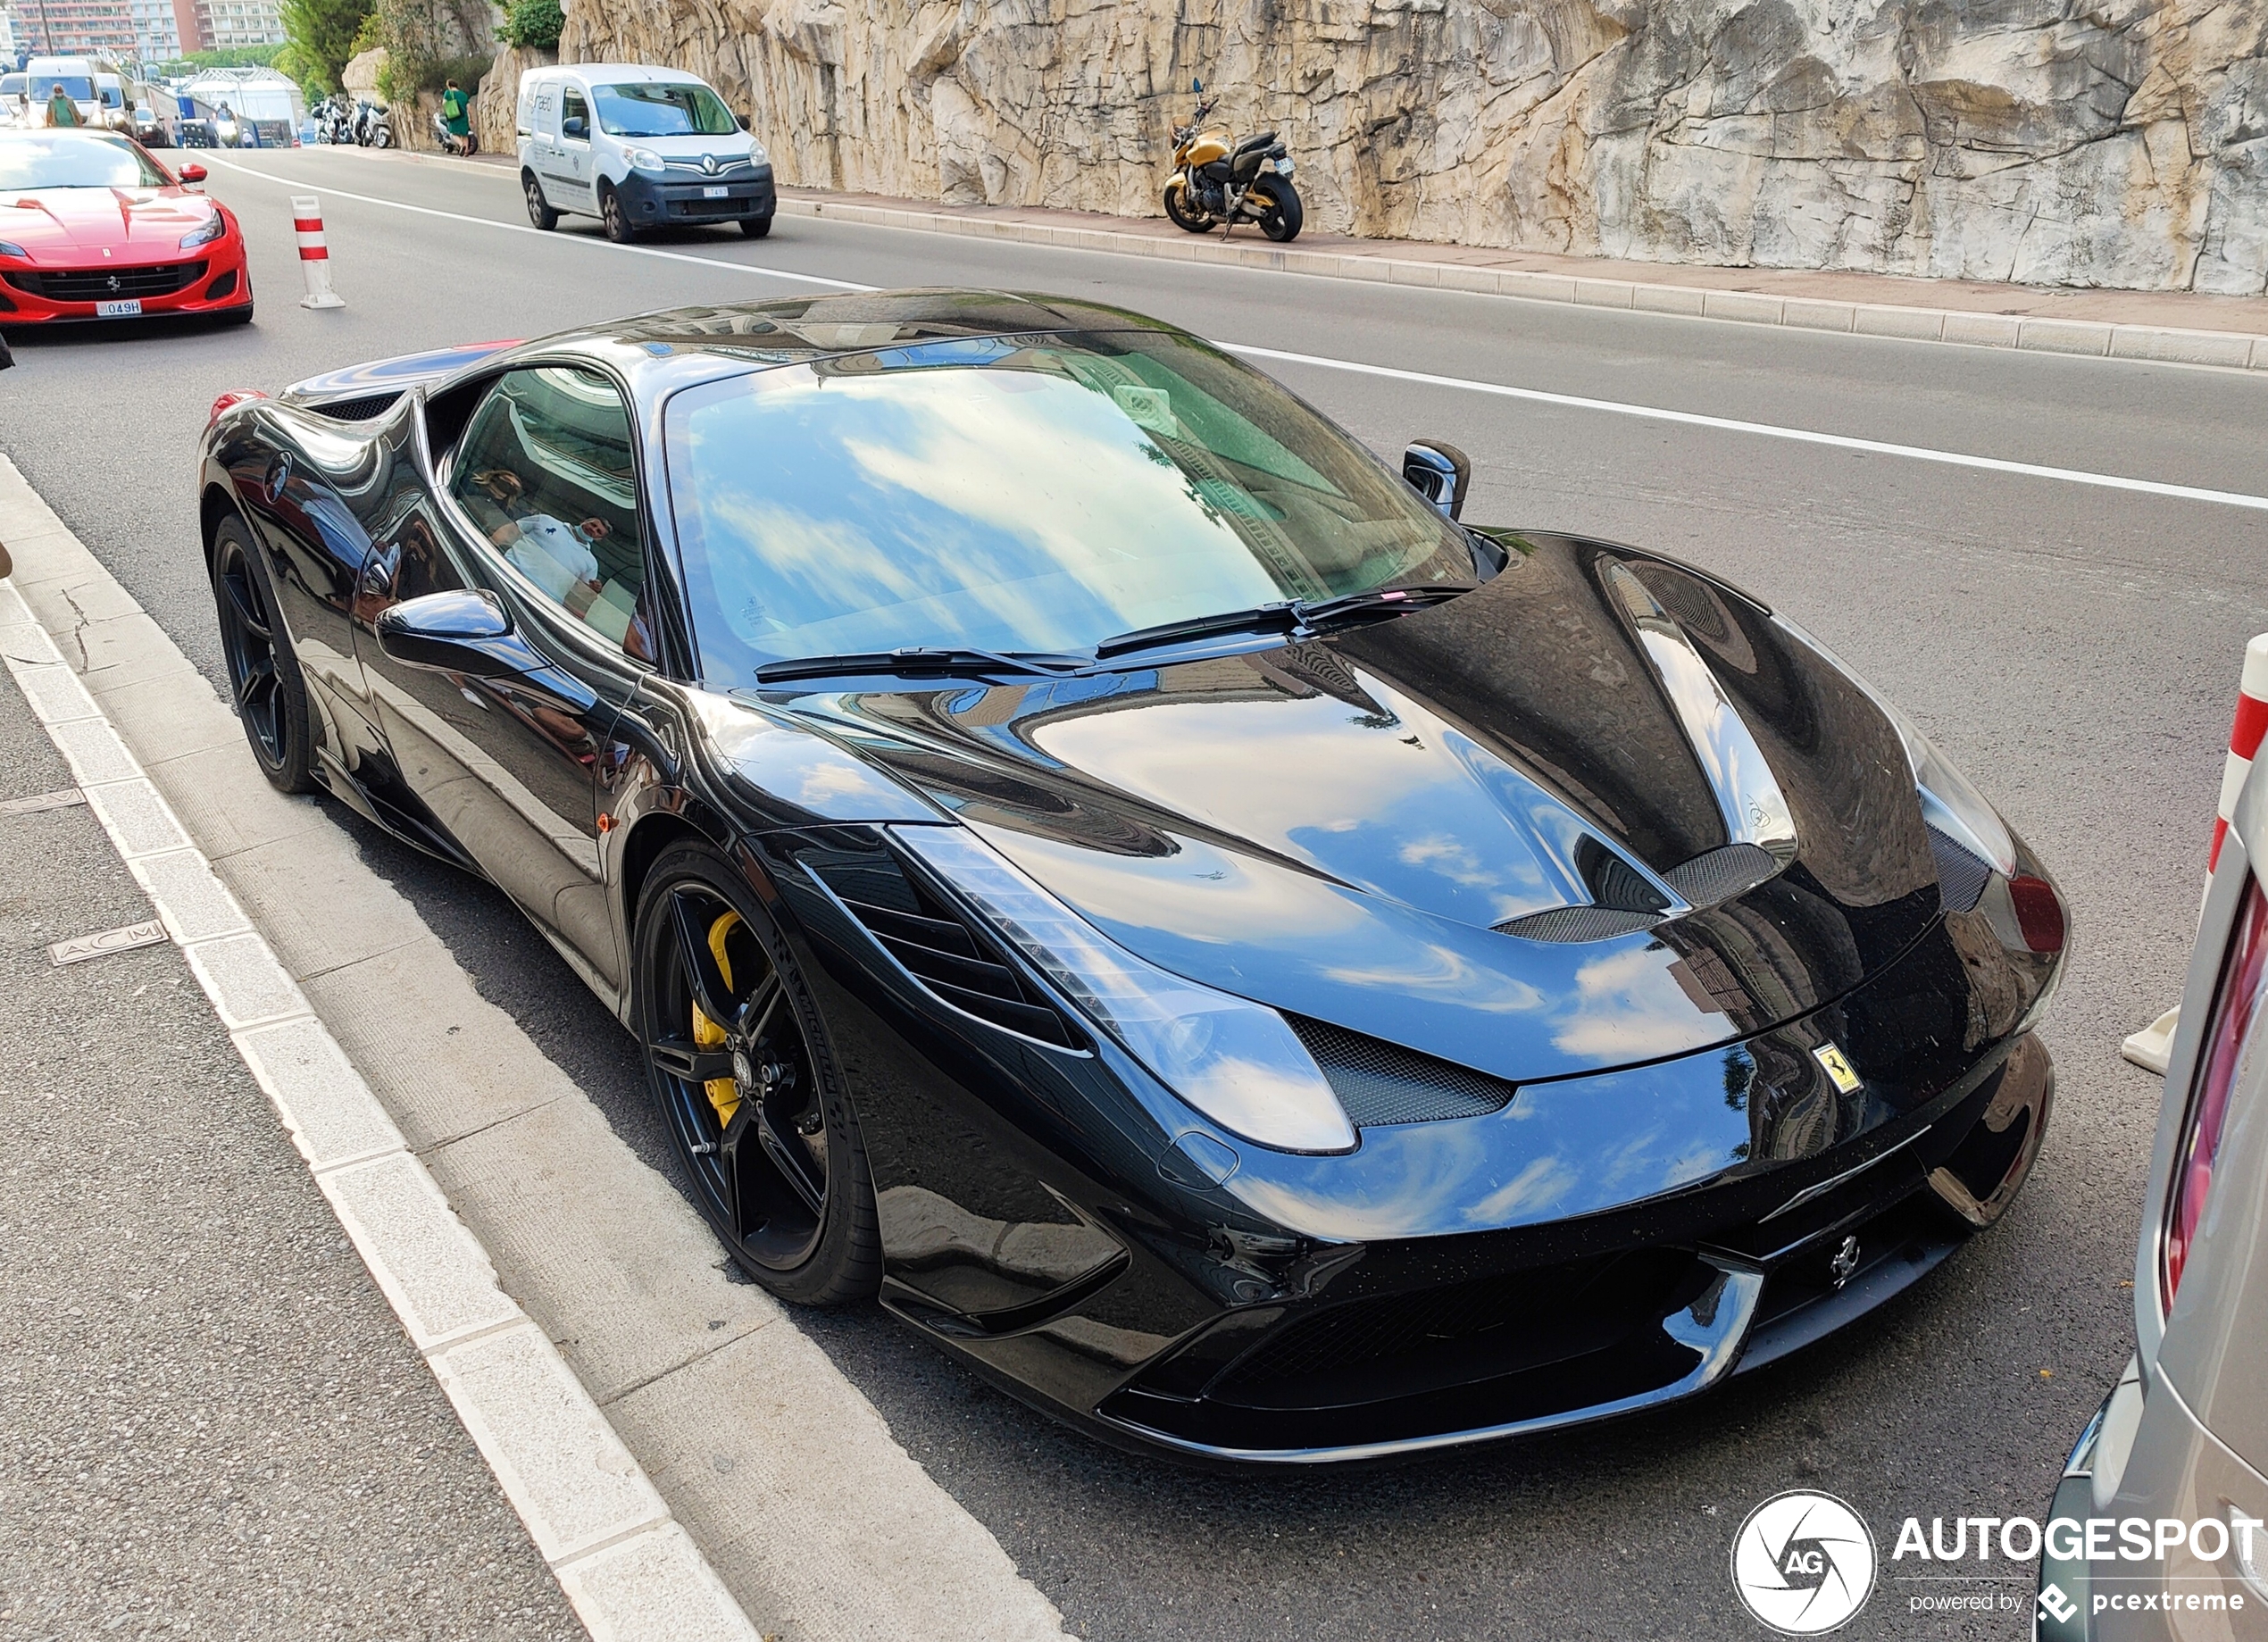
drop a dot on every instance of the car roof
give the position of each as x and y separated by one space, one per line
614 71
676 345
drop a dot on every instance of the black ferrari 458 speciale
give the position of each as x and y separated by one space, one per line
1097 859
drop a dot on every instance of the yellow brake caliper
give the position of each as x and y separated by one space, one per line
724 1093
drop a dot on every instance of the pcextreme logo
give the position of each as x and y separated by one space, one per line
1803 1562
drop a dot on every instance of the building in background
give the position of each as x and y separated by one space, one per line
225 24
8 46
74 28
157 30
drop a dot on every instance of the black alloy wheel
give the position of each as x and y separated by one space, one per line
539 211
264 679
1177 207
737 1057
1280 212
614 215
756 227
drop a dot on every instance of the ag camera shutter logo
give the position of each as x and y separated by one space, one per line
1803 1562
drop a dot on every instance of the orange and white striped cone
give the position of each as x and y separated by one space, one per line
2152 1047
314 252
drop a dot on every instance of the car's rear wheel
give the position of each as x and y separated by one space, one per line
615 215
264 679
539 211
738 1059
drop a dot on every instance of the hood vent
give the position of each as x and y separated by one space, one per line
361 410
937 946
1379 1083
1708 880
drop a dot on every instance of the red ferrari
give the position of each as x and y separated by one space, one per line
92 228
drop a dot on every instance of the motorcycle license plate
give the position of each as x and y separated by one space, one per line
124 310
716 193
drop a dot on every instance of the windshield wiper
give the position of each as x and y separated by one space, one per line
915 660
1298 616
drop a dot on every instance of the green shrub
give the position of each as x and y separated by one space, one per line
532 24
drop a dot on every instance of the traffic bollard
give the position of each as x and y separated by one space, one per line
315 256
2150 1047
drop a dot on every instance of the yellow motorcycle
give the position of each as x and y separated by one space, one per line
1217 179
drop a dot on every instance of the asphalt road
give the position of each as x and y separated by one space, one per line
2075 648
213 1425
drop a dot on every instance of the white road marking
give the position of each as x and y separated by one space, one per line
1914 452
529 227
1534 395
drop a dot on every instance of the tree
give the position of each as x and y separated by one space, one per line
320 36
532 23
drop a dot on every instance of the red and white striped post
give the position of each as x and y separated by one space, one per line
2152 1046
315 254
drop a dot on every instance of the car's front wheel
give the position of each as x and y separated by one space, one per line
738 1059
755 228
264 679
615 215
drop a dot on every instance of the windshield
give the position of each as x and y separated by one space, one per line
679 110
78 88
1021 493
75 160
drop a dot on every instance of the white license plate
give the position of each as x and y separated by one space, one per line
124 310
716 193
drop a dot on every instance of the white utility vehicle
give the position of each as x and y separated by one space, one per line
638 148
75 75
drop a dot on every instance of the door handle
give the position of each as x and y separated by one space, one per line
377 571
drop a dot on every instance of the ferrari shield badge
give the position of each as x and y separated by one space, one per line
1839 1070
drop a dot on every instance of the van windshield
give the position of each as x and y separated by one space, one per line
78 88
662 110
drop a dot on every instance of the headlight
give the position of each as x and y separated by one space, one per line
16 251
756 155
642 159
204 233
1235 1061
1949 802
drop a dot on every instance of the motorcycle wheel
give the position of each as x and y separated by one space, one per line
1176 207
1280 213
382 137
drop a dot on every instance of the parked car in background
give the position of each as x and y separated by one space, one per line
639 148
92 228
14 107
2183 1437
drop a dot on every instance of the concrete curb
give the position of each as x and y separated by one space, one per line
2026 333
630 1572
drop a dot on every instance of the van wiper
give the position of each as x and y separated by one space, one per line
1298 616
916 660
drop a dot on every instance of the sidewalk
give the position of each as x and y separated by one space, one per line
215 1425
2183 327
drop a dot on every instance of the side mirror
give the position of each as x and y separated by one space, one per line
743 119
191 175
1439 474
459 632
576 127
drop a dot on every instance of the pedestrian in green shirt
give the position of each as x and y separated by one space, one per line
62 110
456 113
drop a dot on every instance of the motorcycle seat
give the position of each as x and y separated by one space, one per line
1253 145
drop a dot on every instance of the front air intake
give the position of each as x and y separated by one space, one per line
1379 1083
935 944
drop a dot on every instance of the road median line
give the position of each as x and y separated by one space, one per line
576 1488
557 1286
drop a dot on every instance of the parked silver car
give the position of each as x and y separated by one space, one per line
2163 1500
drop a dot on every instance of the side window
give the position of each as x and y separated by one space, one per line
573 107
545 470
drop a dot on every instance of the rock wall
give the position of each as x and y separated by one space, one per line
498 103
2074 142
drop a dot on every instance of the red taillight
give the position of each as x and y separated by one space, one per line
2236 1006
2040 912
234 396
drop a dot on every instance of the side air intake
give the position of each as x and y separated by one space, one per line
360 410
938 947
1961 876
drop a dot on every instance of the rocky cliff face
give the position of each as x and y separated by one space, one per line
2076 142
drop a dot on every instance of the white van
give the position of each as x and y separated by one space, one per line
638 148
114 115
75 75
